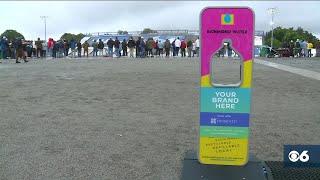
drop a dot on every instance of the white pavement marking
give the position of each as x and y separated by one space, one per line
302 72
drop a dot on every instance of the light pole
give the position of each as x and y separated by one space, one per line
44 18
272 11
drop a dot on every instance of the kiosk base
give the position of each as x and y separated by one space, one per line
253 170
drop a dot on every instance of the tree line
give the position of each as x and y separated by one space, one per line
285 35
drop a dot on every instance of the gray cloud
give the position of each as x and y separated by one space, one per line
88 16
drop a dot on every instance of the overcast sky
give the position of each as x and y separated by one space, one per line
108 16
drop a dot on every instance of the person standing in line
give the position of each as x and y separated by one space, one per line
297 49
55 49
194 49
183 48
167 46
39 48
198 47
79 48
149 47
124 48
173 48
4 47
50 46
95 48
1 49
73 45
157 48
131 45
100 47
85 46
142 45
177 44
20 51
160 46
110 44
189 47
153 47
138 48
310 46
117 46
66 48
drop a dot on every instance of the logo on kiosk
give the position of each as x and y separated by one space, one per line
227 19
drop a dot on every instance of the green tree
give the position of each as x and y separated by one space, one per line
148 31
69 36
11 34
285 35
120 32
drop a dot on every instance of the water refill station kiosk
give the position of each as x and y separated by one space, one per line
223 152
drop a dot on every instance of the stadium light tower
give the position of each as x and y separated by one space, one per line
44 18
272 11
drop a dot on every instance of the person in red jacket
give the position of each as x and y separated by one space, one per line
183 48
50 46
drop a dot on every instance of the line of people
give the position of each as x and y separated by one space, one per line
139 48
146 48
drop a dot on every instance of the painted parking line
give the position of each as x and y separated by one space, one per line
299 71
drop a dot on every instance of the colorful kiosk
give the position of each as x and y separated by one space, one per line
225 109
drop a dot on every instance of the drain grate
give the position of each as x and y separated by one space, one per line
279 172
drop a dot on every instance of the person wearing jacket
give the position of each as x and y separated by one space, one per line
20 50
100 47
167 46
183 48
189 47
110 44
142 46
79 48
4 47
138 49
160 47
73 45
95 48
66 48
131 45
39 48
50 46
153 48
197 47
124 48
116 46
85 46
177 45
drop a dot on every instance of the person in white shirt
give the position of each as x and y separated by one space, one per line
177 45
193 48
197 47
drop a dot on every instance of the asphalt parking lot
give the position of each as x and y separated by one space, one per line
133 118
